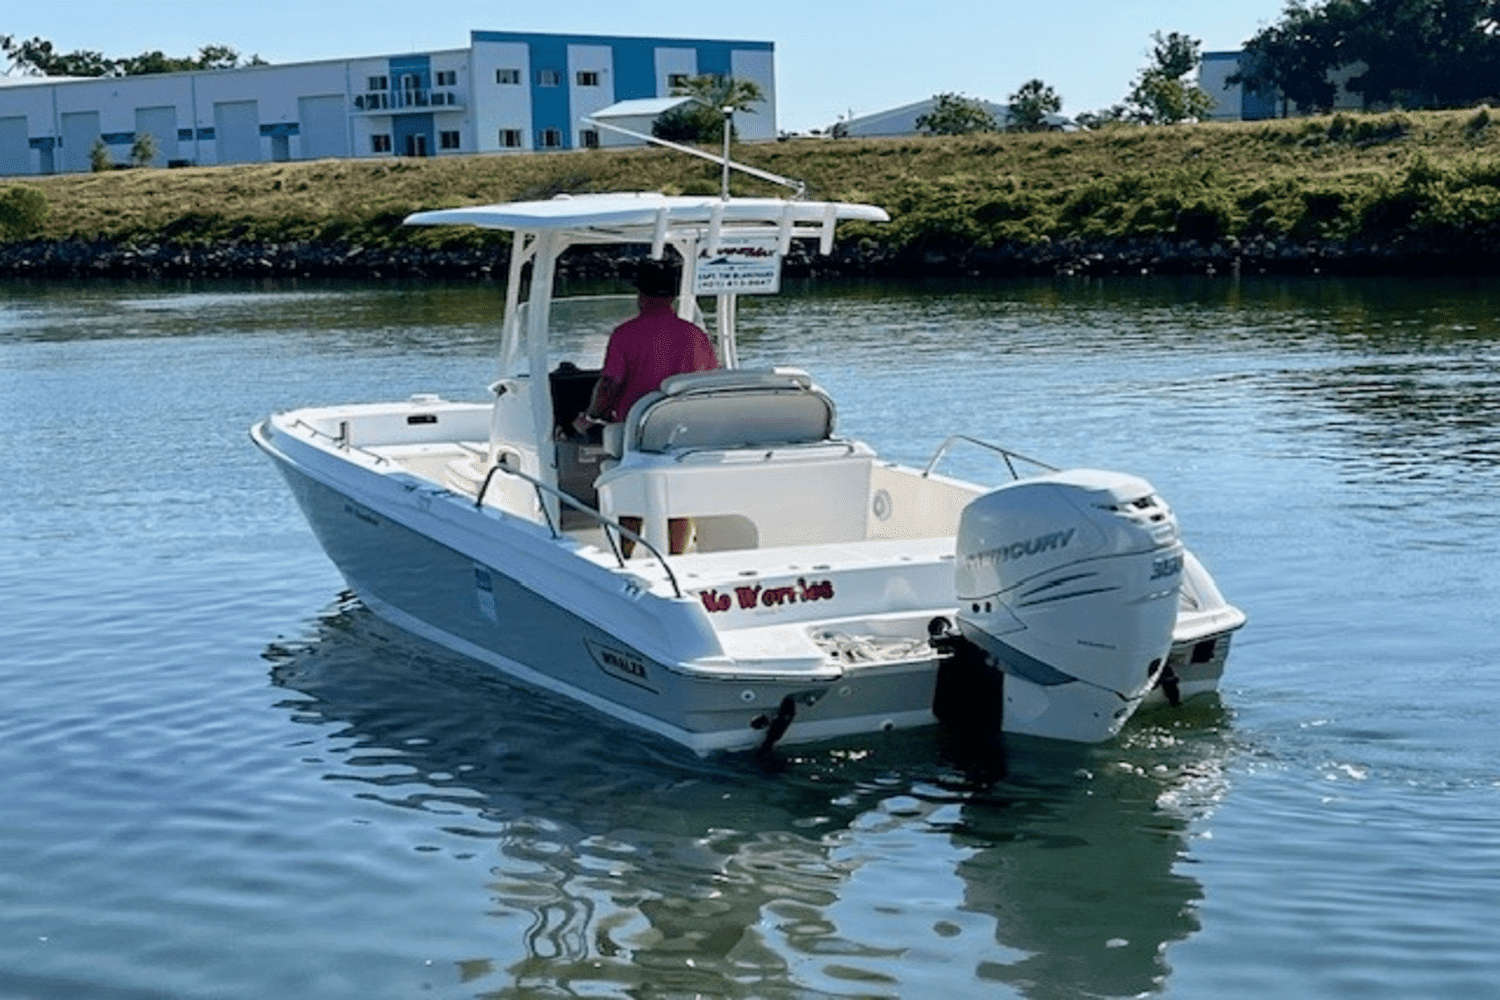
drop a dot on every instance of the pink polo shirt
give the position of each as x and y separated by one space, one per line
652 347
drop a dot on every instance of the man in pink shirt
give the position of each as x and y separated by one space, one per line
643 352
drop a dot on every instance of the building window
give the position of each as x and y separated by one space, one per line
548 78
551 138
587 78
376 83
675 80
508 76
510 138
380 143
447 78
448 140
589 138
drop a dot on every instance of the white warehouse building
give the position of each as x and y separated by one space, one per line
506 92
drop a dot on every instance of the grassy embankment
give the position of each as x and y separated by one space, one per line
1426 181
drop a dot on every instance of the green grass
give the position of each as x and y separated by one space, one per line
1346 177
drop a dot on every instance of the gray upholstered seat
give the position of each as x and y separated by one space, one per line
734 408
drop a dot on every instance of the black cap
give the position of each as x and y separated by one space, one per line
657 279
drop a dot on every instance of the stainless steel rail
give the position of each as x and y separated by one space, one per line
608 524
1010 457
341 439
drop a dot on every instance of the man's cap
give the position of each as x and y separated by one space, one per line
657 279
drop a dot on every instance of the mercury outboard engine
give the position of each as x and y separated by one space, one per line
1068 583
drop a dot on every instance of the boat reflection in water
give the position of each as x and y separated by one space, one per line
864 865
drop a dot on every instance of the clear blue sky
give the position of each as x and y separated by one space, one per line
831 58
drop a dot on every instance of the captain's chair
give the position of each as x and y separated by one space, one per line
748 455
725 409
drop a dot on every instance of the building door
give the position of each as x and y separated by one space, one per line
80 130
324 126
237 131
15 146
161 125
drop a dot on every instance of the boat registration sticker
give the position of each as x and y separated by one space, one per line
622 665
484 593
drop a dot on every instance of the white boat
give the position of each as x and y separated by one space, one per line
827 592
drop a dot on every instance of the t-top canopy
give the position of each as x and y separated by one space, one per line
648 217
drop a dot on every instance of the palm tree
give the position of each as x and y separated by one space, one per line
703 120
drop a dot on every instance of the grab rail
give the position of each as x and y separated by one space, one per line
1004 453
341 439
769 450
582 508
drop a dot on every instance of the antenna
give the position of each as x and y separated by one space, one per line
799 187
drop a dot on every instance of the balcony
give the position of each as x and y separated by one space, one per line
406 101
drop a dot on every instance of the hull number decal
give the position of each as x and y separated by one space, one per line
755 596
484 593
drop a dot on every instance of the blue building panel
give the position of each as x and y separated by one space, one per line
648 44
549 87
419 66
635 70
413 135
714 58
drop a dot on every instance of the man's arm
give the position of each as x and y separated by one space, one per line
606 394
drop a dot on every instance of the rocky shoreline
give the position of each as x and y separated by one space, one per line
1073 256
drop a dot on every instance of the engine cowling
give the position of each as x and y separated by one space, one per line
1069 582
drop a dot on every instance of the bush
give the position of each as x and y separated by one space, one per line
22 211
1376 129
1204 220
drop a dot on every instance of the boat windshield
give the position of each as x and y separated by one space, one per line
579 329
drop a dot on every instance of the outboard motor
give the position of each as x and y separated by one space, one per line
1069 583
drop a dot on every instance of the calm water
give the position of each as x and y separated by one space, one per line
222 779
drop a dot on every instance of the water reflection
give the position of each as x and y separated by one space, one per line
877 867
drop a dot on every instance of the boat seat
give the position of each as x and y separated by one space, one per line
725 409
749 455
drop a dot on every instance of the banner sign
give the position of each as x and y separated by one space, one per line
745 265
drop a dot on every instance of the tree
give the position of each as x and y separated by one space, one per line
703 120
1426 53
143 150
39 57
99 158
1292 59
1030 106
955 114
1160 95
1420 53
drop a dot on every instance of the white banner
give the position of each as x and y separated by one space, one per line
745 265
